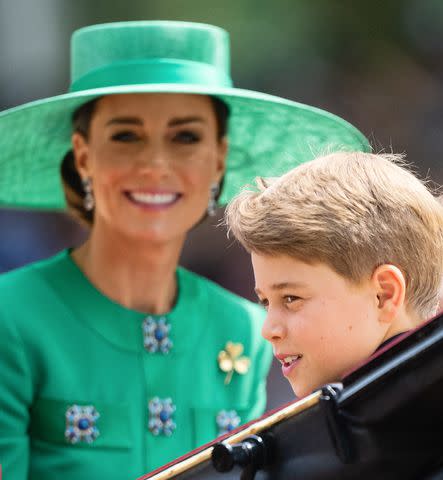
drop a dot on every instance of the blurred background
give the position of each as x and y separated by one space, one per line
378 64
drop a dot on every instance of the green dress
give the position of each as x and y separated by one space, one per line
90 389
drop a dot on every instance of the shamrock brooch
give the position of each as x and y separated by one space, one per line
230 361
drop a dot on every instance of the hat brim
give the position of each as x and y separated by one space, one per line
268 136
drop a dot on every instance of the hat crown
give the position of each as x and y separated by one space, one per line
101 46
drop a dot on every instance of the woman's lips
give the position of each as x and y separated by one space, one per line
153 200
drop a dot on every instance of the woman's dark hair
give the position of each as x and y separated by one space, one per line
81 122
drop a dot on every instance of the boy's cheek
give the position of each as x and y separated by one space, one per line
310 377
302 380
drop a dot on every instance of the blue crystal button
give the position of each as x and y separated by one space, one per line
164 416
159 334
81 424
161 413
227 420
156 335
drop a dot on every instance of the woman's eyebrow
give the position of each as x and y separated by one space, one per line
182 120
125 121
137 121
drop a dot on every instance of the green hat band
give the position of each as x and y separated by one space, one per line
139 72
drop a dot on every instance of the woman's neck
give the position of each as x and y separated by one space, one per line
134 273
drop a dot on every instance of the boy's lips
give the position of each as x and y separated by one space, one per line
288 361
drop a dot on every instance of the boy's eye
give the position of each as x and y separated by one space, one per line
186 137
125 137
291 298
263 302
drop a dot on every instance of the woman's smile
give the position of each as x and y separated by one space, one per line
153 199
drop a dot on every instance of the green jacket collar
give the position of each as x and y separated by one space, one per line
124 327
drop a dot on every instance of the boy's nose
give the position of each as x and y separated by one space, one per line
273 329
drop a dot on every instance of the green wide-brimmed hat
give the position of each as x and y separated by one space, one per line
267 135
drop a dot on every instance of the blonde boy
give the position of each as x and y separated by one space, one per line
347 252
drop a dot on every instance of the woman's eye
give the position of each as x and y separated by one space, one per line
125 137
186 137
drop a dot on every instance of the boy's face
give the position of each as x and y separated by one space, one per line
320 325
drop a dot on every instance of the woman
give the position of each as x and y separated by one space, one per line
113 359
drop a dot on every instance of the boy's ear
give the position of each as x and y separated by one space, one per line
81 154
390 286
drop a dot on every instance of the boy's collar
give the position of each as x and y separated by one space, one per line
389 340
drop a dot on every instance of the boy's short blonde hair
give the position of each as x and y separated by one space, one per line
352 211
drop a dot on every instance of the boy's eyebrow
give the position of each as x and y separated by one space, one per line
283 285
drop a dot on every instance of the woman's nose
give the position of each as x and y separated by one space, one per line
154 157
273 328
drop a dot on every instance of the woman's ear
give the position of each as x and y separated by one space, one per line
222 153
80 149
390 286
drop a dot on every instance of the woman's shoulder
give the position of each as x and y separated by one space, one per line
22 278
219 297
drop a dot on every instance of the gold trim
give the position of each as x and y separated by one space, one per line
259 426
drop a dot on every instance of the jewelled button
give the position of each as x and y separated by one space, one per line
81 424
156 335
227 420
161 412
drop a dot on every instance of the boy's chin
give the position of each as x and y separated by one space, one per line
301 391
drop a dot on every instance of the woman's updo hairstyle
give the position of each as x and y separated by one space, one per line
71 180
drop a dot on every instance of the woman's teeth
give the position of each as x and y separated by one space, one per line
154 198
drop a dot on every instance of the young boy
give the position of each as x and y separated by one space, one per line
347 252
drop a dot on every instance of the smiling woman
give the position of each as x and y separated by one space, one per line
127 360
151 160
186 129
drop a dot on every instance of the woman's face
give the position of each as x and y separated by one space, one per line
152 159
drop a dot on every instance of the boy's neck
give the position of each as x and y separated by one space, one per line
404 321
388 341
